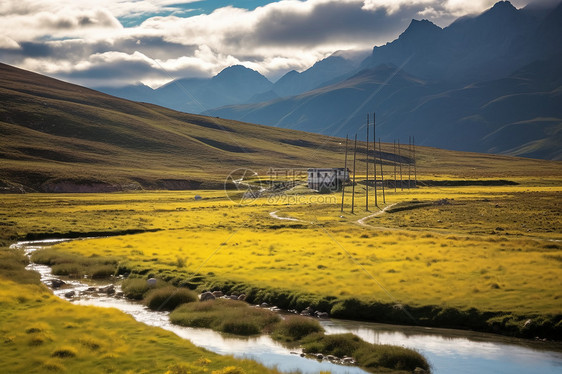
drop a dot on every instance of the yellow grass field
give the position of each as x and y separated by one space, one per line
490 248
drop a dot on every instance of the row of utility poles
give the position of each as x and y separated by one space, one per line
396 159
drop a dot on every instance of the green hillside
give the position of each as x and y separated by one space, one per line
59 137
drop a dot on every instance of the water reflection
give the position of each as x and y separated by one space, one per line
448 351
465 352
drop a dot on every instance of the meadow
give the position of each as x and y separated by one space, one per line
40 333
475 257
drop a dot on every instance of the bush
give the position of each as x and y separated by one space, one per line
338 344
366 355
64 352
295 328
135 288
230 316
168 298
101 271
392 357
68 269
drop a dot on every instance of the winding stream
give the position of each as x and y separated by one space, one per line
448 351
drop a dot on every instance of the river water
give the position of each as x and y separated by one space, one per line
448 351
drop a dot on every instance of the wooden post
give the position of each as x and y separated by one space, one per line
394 152
400 165
415 171
367 169
409 160
375 159
382 174
344 171
353 186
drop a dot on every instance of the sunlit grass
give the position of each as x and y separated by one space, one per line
41 333
491 248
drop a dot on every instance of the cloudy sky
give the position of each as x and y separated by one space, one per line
117 42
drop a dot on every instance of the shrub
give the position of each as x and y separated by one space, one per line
101 271
168 298
338 344
366 355
135 288
295 328
392 357
230 316
64 352
68 269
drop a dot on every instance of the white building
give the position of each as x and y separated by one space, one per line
327 179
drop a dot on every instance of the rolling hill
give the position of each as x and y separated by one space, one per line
59 137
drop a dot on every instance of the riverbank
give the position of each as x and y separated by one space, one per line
445 349
41 333
159 296
509 324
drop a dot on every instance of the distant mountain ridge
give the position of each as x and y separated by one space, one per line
488 83
234 85
437 84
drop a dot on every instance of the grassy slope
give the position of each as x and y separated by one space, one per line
52 131
40 333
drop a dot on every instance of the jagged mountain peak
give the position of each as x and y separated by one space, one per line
236 71
420 30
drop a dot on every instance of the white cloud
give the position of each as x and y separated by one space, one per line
83 41
394 6
8 43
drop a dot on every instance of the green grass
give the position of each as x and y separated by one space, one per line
369 356
169 298
295 328
75 266
229 316
40 333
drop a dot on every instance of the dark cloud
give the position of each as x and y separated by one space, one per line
328 23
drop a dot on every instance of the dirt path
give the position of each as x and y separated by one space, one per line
362 220
274 215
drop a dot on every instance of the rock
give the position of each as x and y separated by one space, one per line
528 323
110 290
69 294
348 360
331 358
232 297
320 356
119 294
207 296
57 283
419 370
242 297
217 294
91 289
152 282
307 312
322 315
264 305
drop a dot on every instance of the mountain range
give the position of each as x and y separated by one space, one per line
486 83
